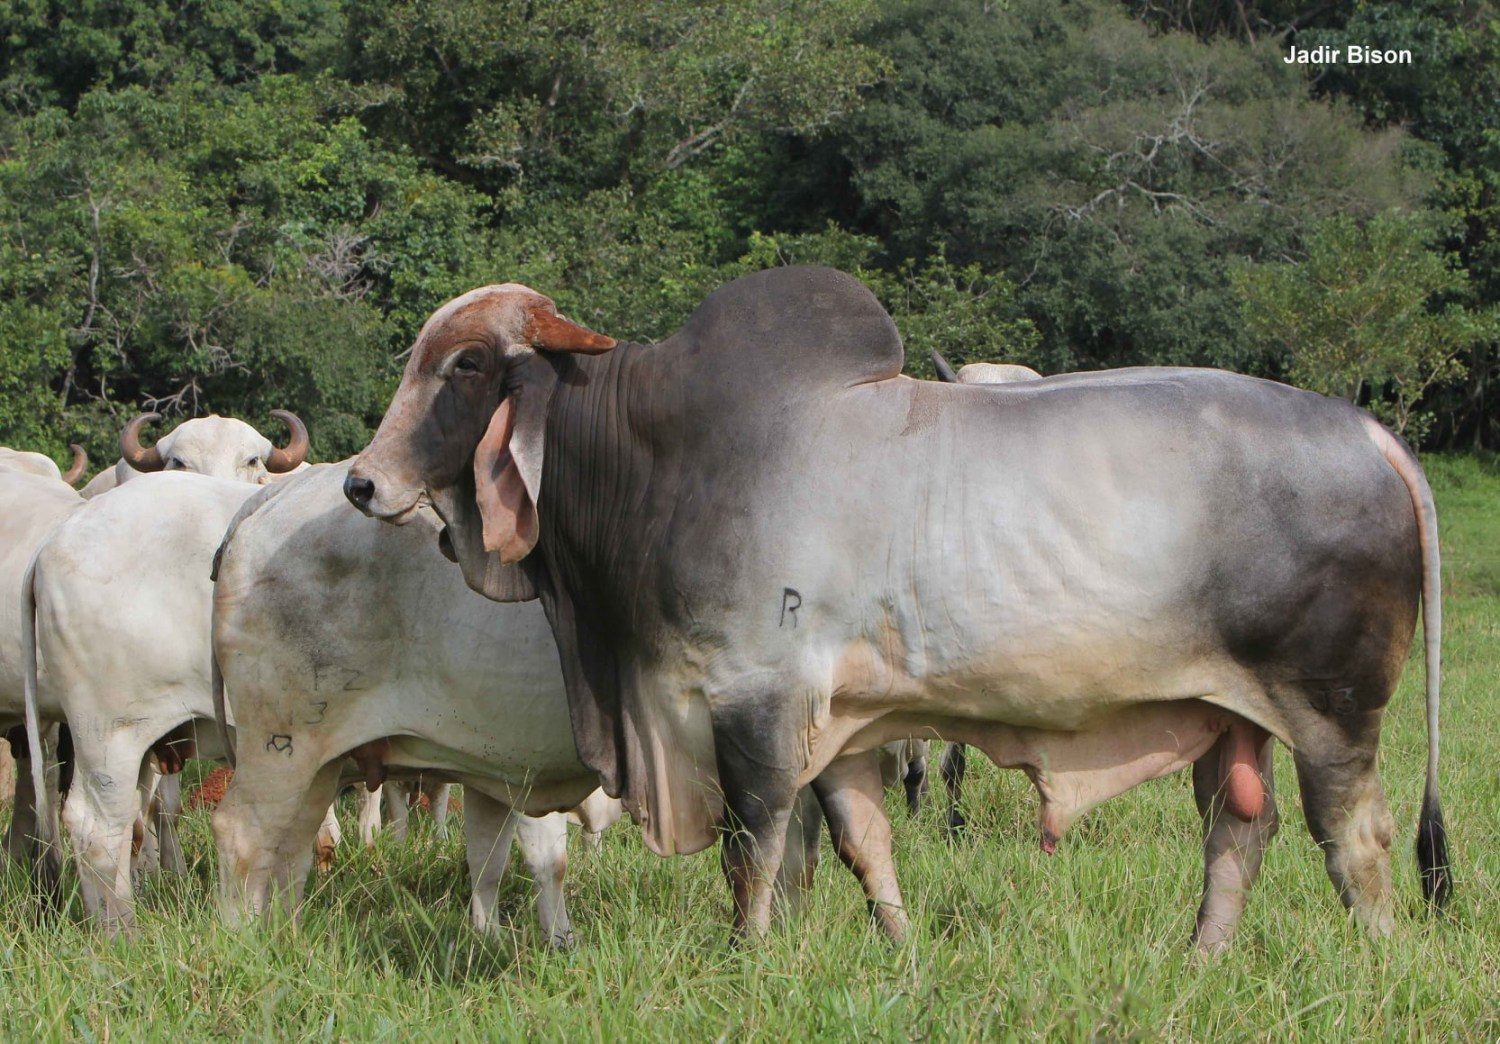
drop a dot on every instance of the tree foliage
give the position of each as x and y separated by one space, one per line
1371 315
238 206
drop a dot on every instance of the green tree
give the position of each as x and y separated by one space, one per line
1113 174
1368 315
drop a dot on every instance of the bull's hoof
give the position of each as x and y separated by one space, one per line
957 825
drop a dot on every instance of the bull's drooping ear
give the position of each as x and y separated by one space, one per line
508 473
553 333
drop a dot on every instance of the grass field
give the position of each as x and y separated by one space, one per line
1007 942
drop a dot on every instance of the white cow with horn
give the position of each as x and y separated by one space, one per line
43 465
219 446
31 506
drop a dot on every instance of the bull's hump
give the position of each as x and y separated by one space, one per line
798 325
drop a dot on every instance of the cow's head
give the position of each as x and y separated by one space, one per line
466 427
219 446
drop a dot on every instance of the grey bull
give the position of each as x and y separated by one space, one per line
764 553
351 650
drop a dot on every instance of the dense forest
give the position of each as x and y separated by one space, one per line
238 205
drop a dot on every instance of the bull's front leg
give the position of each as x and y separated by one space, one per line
854 803
755 741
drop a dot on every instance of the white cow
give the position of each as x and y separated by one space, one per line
31 507
339 636
121 596
219 446
43 465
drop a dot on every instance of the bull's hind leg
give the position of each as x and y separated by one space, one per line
101 816
166 813
20 836
544 846
915 778
255 827
1232 847
954 764
853 801
1347 815
369 813
298 846
438 795
489 829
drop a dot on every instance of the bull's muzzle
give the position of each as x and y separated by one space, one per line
359 490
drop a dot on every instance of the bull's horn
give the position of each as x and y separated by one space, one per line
136 455
80 463
288 458
944 371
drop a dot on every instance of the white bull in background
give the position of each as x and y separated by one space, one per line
338 637
120 596
31 507
43 465
222 447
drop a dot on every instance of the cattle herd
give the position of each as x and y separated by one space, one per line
725 583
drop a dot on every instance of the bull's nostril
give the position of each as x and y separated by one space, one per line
359 490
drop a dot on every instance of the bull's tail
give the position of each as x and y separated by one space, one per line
221 714
944 371
1432 836
48 862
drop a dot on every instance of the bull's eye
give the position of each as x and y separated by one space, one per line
466 365
174 464
252 462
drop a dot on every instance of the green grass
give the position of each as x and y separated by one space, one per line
1008 942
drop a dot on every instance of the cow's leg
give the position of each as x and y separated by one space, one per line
297 847
329 837
1347 815
596 814
101 814
853 802
255 824
437 803
1232 847
489 828
369 813
397 810
544 846
758 769
952 769
799 863
20 836
166 811
915 778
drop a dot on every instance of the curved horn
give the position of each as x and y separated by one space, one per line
288 458
80 464
944 371
136 455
